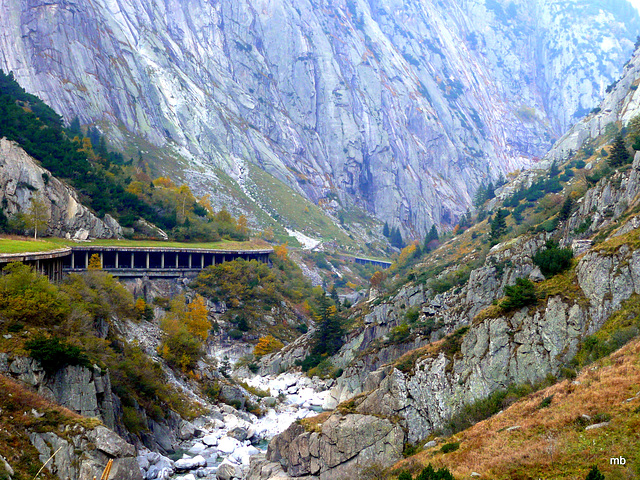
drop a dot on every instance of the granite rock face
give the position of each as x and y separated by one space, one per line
400 107
345 445
83 454
21 178
86 391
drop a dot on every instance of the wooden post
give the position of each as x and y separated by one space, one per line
162 260
202 261
117 262
190 260
147 260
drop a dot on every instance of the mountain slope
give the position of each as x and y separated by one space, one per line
400 109
497 310
547 434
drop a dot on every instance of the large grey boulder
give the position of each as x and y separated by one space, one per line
345 445
84 454
107 441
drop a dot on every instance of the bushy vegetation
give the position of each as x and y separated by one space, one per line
251 289
553 259
54 353
484 408
72 324
522 294
186 328
622 327
29 298
429 473
535 192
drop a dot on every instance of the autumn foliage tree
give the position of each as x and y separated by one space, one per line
266 345
94 262
377 278
185 329
27 297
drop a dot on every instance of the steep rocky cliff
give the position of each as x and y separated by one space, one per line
422 390
21 178
400 107
465 344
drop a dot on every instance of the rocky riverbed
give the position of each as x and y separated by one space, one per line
220 445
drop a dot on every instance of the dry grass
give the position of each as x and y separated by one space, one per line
549 443
492 311
613 244
314 424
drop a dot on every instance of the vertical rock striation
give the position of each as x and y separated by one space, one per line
400 107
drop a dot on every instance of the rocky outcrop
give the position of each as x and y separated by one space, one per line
83 453
426 387
367 348
400 108
21 178
345 445
86 391
620 105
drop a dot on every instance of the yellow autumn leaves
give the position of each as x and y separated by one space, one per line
186 328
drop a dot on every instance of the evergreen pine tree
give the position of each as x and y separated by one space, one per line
491 191
480 196
329 334
595 474
334 295
567 206
619 154
385 230
554 170
396 238
501 180
94 136
499 224
431 236
74 128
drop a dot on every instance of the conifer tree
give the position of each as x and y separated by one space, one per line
480 196
491 191
619 154
595 474
396 238
567 206
329 335
499 224
431 236
385 230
